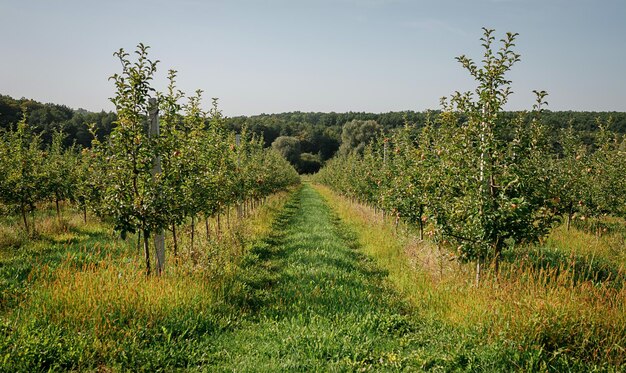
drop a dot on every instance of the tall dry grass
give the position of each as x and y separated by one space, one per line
547 308
109 297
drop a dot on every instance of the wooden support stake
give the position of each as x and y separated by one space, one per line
159 238
238 145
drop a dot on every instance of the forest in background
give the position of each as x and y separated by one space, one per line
319 134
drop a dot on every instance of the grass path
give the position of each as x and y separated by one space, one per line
302 297
313 302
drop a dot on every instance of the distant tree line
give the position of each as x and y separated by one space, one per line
323 135
319 134
47 119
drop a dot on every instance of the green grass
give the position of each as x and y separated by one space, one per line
542 313
301 299
81 245
311 301
310 292
77 298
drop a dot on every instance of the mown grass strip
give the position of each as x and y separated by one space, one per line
314 302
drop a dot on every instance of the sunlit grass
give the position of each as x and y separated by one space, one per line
314 302
610 246
75 294
109 296
548 310
294 288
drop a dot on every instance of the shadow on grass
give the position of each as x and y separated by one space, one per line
309 266
260 268
581 268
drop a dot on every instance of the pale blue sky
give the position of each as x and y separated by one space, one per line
327 55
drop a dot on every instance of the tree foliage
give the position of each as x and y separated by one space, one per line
357 134
482 179
23 170
288 147
202 169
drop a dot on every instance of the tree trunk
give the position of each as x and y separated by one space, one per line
146 249
159 246
440 260
193 231
175 239
218 227
498 254
421 229
569 220
23 208
138 240
569 217
56 201
85 214
421 223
